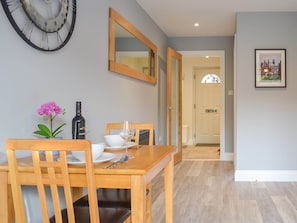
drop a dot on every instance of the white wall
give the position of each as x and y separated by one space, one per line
79 71
266 118
187 96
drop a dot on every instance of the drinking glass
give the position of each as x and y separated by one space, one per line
127 133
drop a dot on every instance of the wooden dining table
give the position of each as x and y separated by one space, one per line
134 174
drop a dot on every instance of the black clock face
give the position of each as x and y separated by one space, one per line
46 25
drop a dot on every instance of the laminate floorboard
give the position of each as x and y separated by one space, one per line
205 192
201 152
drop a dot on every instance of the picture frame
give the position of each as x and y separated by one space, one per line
270 68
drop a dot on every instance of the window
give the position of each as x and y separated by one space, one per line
211 79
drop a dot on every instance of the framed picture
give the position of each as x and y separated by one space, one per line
270 68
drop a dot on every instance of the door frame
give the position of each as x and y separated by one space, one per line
221 54
171 53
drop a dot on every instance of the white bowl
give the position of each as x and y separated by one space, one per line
114 140
97 150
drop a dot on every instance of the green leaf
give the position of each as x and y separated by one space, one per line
58 130
43 131
57 133
44 128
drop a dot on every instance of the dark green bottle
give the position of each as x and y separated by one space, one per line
78 124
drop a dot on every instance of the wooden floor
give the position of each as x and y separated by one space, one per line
201 152
205 191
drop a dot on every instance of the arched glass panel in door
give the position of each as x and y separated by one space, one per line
211 79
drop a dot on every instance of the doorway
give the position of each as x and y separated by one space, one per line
196 65
207 106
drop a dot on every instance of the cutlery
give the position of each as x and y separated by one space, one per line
123 158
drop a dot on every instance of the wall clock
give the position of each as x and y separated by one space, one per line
46 25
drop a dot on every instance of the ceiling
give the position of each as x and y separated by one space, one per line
215 17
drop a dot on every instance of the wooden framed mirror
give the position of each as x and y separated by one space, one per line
130 52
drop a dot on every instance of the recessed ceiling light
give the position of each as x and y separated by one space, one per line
196 24
206 57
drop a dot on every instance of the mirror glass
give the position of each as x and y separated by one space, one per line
130 52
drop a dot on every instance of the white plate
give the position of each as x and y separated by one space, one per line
103 158
130 144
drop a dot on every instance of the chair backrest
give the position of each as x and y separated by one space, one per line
137 126
50 171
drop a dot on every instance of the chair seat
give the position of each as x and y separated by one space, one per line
107 215
108 197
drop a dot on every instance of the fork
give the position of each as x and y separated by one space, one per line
123 158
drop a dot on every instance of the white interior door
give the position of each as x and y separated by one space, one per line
208 109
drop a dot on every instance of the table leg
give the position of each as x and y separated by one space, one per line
6 203
138 199
168 187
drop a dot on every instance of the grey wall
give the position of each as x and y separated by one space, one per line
266 118
214 43
79 71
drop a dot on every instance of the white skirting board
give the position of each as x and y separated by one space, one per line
266 175
227 156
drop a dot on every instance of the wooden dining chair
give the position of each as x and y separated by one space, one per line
50 171
112 128
109 197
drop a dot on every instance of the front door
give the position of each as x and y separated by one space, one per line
208 105
174 102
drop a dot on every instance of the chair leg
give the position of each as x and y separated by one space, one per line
149 203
